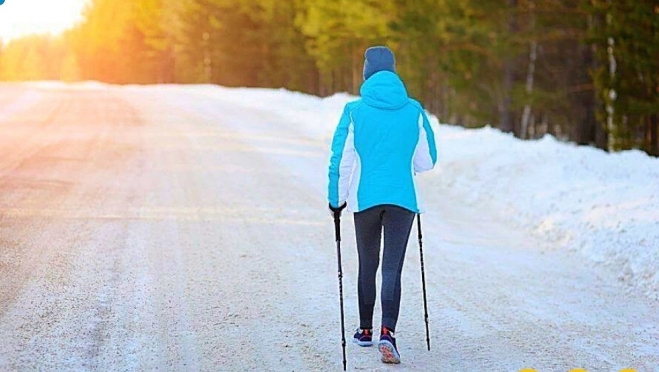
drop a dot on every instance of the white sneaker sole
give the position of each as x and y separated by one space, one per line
389 353
362 343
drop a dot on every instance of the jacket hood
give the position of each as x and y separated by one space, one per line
384 90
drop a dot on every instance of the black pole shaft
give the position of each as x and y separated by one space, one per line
423 279
337 233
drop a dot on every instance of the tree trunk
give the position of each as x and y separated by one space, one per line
533 48
357 76
434 87
611 94
446 102
600 135
654 136
506 123
585 132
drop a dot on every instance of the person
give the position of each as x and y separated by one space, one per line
382 140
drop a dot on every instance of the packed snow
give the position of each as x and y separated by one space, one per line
603 205
161 227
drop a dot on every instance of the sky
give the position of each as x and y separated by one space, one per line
23 17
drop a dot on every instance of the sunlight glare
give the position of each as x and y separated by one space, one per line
24 17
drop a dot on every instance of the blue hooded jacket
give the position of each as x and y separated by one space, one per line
380 143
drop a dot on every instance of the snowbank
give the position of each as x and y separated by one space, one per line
605 206
316 116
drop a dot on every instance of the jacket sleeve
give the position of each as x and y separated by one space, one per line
425 156
342 160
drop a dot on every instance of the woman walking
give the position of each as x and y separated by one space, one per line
380 143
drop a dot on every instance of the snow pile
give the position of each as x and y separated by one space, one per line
605 206
317 117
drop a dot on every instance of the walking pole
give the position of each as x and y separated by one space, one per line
423 279
337 234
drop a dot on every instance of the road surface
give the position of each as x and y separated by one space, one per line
161 228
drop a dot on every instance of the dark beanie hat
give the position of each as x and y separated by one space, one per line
378 58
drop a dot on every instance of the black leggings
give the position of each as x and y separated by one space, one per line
397 223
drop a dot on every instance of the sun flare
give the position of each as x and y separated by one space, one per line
24 17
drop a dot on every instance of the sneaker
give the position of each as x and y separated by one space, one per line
387 346
363 337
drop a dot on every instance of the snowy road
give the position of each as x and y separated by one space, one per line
164 228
